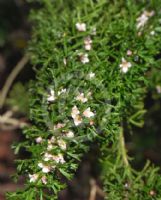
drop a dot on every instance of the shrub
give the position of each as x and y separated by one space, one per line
94 62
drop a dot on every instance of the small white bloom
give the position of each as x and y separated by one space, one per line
81 98
44 180
77 120
75 115
58 126
88 43
91 75
62 144
59 159
88 113
33 177
129 52
87 40
56 159
74 112
62 91
46 169
88 47
81 27
143 19
47 157
84 58
125 65
70 134
49 147
51 96
39 140
40 165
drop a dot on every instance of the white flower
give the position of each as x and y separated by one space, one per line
51 96
143 18
129 52
33 177
40 165
75 115
47 157
59 159
125 65
81 27
70 134
81 98
62 91
58 126
49 147
62 144
77 120
84 58
56 159
74 112
44 180
88 47
88 113
45 168
39 140
91 75
88 43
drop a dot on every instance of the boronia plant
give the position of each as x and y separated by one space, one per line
94 61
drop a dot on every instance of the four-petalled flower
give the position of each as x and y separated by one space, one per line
125 65
81 27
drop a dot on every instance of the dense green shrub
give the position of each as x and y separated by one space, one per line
94 61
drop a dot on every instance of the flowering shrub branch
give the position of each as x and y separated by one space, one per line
92 77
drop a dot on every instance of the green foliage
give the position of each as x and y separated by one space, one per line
114 97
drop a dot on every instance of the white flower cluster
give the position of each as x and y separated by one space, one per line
81 27
77 117
52 97
141 22
34 177
88 43
49 160
143 19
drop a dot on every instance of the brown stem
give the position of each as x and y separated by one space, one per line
16 70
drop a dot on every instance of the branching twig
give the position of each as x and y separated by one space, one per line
6 119
16 70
